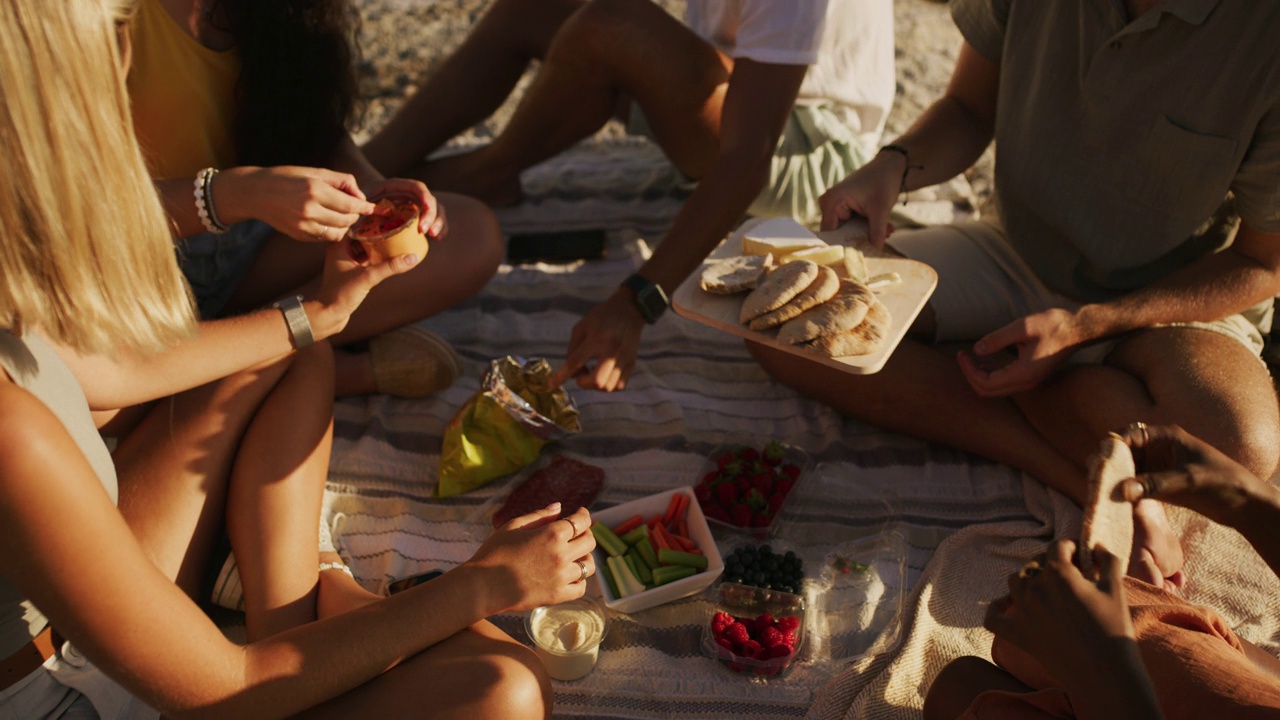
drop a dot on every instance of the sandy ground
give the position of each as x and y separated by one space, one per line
403 40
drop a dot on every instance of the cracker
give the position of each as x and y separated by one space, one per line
861 340
843 312
734 275
1108 517
778 287
823 288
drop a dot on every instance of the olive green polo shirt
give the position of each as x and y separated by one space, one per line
1117 141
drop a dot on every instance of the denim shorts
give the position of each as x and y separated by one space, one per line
816 150
216 264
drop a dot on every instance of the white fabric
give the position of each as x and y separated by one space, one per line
848 45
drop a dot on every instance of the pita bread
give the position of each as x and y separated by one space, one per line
777 288
861 340
841 313
1108 517
823 288
734 275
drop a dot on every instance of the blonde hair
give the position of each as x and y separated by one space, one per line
85 253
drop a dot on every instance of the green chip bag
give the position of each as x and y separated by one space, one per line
503 427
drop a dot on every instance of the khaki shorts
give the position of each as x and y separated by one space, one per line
984 285
816 150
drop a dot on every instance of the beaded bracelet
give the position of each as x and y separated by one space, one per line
906 156
204 201
336 566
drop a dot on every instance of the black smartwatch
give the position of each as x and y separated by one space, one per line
651 301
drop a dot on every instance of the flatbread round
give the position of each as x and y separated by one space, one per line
778 287
736 274
1108 517
861 340
823 288
843 312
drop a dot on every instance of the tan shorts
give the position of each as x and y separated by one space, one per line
984 285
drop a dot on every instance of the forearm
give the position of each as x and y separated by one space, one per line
944 141
219 349
233 191
1209 289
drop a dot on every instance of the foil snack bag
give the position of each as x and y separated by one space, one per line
503 427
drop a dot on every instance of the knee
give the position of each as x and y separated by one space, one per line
515 686
955 687
1259 446
594 30
476 226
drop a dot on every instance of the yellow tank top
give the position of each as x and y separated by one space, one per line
183 97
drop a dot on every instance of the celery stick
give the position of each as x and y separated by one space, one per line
638 566
636 535
645 548
607 540
622 573
675 557
608 579
617 566
669 573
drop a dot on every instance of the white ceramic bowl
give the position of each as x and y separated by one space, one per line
699 533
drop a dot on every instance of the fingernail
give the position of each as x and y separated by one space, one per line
554 506
410 260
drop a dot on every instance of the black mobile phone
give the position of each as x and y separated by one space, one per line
555 247
413 581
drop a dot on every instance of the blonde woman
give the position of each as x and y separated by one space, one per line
91 620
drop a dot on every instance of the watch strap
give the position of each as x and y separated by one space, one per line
295 316
651 300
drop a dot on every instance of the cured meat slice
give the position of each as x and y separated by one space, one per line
574 483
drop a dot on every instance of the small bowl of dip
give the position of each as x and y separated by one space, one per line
567 636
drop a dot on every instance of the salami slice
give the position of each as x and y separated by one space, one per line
575 484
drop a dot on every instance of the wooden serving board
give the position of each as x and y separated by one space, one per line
905 299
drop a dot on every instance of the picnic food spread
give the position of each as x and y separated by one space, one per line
391 230
762 644
573 483
815 294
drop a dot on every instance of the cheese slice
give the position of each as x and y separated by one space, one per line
831 256
778 236
855 266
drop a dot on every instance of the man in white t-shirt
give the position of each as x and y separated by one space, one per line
766 103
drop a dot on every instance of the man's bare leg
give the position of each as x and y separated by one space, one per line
471 84
607 50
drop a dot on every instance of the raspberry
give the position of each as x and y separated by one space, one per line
770 637
725 643
720 621
789 639
737 633
778 651
788 623
752 649
764 621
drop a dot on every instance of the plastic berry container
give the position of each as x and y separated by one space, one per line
747 605
746 488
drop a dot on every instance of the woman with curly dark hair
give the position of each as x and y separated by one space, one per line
246 105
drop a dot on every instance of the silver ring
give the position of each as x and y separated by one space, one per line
1029 570
582 566
572 525
1146 436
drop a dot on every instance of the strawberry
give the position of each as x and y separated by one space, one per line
775 503
773 453
763 482
709 478
783 486
740 515
717 512
755 500
791 470
727 494
737 633
725 459
760 520
743 484
703 493
749 454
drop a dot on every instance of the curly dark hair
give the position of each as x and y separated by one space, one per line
297 93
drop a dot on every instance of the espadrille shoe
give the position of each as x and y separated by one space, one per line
412 362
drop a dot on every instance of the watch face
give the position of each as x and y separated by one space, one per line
652 303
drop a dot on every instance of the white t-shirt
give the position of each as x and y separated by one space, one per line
847 44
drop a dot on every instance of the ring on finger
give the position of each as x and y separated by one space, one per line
1029 570
582 565
1146 435
572 525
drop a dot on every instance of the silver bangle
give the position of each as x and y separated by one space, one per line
204 201
296 317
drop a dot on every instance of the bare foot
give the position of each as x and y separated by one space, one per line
1157 553
469 173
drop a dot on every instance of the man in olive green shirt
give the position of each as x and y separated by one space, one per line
1117 284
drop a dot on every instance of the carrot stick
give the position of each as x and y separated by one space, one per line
688 544
673 505
682 528
628 525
